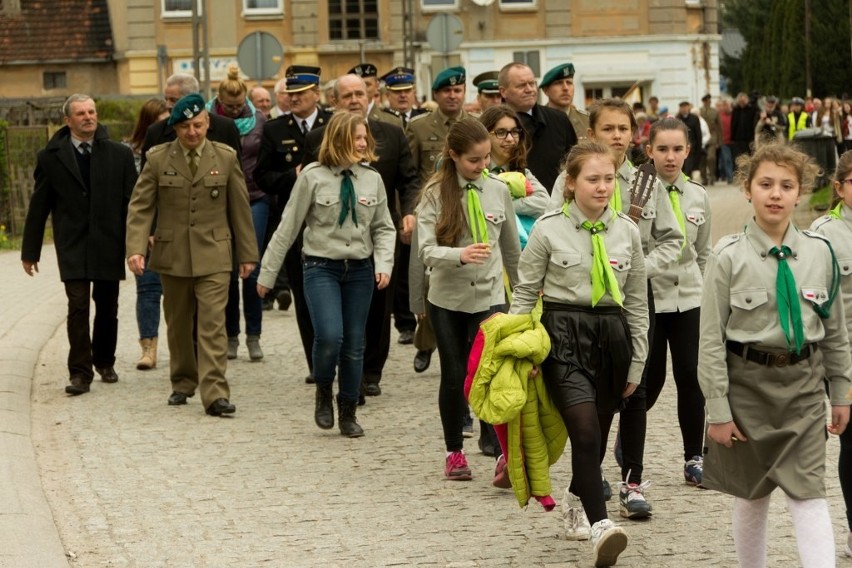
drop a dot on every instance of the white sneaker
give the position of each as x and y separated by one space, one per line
608 541
848 549
575 519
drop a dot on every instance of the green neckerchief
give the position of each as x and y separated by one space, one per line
674 197
788 299
347 198
836 211
603 277
476 218
615 200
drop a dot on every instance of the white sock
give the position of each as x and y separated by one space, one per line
814 533
750 520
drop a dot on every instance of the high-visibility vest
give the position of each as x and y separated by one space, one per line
794 126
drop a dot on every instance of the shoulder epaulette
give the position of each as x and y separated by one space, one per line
626 217
366 165
419 117
548 214
581 111
693 182
821 221
395 113
221 146
726 241
311 166
157 148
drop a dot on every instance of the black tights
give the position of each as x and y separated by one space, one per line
585 432
844 471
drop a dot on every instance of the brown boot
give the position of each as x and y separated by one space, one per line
148 360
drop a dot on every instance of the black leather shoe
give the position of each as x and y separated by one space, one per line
220 406
422 360
108 374
488 443
372 389
177 398
406 337
79 385
310 380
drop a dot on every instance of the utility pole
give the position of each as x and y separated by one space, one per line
200 51
808 82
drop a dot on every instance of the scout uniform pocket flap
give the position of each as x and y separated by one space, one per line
649 212
221 234
170 181
696 218
845 265
749 299
328 199
815 295
620 264
565 259
495 218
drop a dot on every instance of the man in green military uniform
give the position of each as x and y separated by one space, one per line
558 85
488 90
375 111
428 132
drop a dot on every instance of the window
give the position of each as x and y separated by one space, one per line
432 5
353 19
531 59
179 8
262 7
53 80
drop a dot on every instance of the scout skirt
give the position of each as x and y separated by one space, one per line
589 356
782 413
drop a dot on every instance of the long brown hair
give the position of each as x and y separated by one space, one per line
517 161
148 115
451 223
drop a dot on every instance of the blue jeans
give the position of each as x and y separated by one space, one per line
454 333
252 304
148 293
726 163
338 294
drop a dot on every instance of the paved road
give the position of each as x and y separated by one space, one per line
132 482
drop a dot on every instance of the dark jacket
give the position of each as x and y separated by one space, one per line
88 223
394 165
282 148
221 130
551 136
250 149
743 121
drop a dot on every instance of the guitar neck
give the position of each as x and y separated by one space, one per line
635 212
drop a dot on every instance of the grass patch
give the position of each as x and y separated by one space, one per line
821 198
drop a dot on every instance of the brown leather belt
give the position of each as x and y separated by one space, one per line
769 359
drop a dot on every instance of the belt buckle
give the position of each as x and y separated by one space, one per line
781 359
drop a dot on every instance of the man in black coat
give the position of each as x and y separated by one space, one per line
402 183
549 130
282 151
684 114
83 181
743 120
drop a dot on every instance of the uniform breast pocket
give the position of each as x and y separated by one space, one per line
214 187
567 269
366 210
694 221
845 265
431 152
162 255
750 309
327 208
621 265
494 222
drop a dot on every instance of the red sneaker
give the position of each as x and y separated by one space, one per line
456 468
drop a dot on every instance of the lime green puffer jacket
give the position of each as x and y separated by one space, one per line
502 392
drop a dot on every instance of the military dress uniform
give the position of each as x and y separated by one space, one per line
750 375
427 135
203 221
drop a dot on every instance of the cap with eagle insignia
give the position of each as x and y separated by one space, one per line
449 77
187 107
556 74
364 70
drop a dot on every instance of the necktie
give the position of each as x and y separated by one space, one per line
615 200
347 198
193 165
85 148
476 218
603 277
788 299
674 197
305 127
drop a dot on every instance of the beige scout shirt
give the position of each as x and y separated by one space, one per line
839 233
678 289
740 304
470 288
426 135
315 201
661 238
558 261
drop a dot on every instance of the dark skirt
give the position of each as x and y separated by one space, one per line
589 356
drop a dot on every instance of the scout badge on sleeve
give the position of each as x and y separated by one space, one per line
643 187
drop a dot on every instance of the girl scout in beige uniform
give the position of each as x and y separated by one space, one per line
837 227
348 248
467 235
598 327
770 333
677 292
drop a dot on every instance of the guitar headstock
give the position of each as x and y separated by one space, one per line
643 187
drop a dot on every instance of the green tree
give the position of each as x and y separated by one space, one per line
774 58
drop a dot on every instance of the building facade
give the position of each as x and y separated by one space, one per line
666 48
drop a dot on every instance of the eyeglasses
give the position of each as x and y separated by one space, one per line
502 133
846 181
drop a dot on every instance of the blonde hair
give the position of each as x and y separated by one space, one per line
580 154
338 142
233 86
783 155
